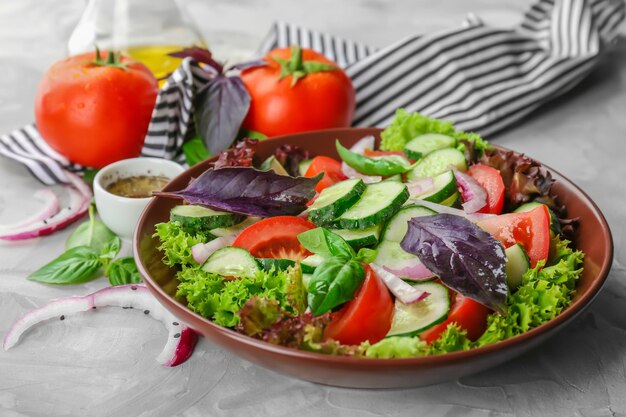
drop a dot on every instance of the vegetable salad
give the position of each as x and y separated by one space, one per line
433 243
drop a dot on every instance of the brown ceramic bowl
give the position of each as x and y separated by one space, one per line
372 373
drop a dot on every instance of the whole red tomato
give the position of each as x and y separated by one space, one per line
298 90
95 111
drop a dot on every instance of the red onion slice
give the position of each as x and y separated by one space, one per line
420 187
404 292
50 208
473 217
80 199
181 339
202 251
411 269
473 194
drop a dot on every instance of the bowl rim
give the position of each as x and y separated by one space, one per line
569 313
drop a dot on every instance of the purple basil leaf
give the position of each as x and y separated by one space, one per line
220 110
249 191
466 258
248 64
201 55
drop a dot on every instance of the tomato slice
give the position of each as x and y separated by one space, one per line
491 180
371 152
531 229
466 313
367 317
331 169
275 237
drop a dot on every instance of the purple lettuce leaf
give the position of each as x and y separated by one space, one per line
249 191
466 258
221 107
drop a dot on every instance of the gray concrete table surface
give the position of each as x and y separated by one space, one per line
105 365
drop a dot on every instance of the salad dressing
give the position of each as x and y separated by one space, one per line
140 186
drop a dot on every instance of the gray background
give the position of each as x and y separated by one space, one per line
105 366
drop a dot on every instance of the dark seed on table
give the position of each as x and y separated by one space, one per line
134 287
146 312
175 323
177 335
93 308
62 317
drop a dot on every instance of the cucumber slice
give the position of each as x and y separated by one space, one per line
555 226
397 226
272 164
200 219
309 264
304 166
378 203
422 145
360 238
517 263
396 177
335 200
438 162
232 262
278 264
236 229
444 187
453 201
411 319
390 254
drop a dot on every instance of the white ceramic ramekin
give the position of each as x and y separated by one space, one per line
120 214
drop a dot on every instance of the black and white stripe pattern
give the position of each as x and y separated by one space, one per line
481 78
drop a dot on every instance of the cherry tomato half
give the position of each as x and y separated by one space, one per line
367 317
531 229
468 314
275 237
331 169
491 180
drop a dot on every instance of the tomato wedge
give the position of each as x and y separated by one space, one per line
331 169
275 237
491 180
531 229
366 317
468 314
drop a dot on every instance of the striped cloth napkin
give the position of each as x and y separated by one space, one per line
479 77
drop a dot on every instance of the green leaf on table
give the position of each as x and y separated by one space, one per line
76 265
92 233
195 151
110 251
325 243
123 271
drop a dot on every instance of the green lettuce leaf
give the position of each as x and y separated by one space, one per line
220 299
405 126
176 243
396 347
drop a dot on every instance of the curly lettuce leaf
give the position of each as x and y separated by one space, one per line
220 299
176 243
396 347
405 126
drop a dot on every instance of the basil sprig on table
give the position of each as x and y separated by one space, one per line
383 165
91 246
339 276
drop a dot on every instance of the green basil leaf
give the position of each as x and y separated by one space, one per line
123 271
333 283
382 165
110 251
74 266
366 255
325 243
92 233
195 151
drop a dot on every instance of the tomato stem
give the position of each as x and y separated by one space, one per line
298 68
113 59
